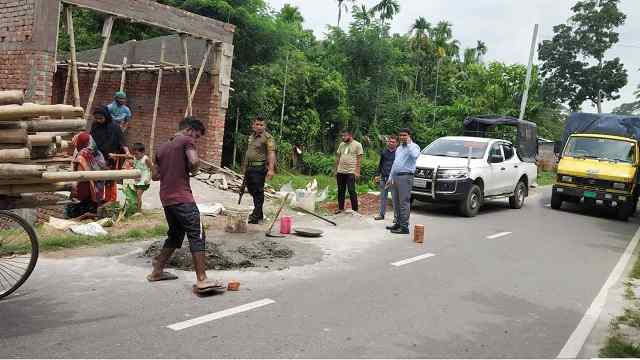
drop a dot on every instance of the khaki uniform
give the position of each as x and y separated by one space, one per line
258 150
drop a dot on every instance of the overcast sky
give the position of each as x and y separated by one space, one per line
504 25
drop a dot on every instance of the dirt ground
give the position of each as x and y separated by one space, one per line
369 204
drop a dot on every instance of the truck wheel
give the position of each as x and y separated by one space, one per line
517 200
625 211
470 206
556 201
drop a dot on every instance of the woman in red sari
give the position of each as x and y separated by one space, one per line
88 194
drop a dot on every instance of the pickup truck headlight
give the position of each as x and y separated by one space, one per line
566 179
619 186
453 174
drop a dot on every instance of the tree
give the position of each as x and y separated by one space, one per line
419 28
632 108
342 4
386 9
574 64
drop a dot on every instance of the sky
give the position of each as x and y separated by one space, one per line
506 26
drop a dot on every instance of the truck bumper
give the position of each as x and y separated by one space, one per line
445 190
593 196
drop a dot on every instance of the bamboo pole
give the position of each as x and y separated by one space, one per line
34 188
14 136
20 170
123 77
185 52
28 110
11 97
41 140
155 104
74 59
67 87
63 125
28 202
204 63
15 155
106 35
48 177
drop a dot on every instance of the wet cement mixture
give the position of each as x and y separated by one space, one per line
241 253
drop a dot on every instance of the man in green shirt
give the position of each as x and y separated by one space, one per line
260 161
348 160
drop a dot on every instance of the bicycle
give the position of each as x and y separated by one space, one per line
18 252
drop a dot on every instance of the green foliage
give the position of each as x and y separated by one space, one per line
618 347
363 78
574 68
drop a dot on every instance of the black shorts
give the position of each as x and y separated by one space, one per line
184 219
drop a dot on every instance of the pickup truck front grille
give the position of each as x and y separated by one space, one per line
424 173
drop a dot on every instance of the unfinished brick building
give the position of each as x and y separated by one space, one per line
29 61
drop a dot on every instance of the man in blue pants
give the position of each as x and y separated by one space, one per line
384 169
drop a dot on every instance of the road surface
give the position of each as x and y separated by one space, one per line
507 283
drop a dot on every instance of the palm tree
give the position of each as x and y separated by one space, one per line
386 9
420 28
342 4
361 14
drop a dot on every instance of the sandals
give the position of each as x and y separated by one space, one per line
163 277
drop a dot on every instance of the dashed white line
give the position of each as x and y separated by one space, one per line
572 348
219 315
413 259
495 236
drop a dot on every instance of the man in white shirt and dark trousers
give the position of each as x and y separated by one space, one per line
401 181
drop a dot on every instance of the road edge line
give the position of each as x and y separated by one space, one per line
578 338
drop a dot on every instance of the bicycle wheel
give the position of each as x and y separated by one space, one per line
18 252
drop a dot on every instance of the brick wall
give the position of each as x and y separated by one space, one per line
141 88
27 54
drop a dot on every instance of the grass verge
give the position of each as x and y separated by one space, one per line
546 178
68 240
620 344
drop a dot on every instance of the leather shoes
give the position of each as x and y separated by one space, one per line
402 231
393 227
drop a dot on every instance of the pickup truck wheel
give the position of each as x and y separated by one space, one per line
556 201
517 200
470 206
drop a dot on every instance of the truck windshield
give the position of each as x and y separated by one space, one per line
601 149
456 148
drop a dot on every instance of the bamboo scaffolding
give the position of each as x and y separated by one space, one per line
106 35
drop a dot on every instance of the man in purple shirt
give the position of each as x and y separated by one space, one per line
174 161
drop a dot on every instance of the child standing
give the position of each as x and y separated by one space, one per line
143 163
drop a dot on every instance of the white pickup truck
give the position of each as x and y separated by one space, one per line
469 170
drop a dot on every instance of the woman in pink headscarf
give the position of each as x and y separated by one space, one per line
88 194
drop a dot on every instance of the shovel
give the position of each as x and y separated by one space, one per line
268 233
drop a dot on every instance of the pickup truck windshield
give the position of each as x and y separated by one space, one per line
456 148
601 149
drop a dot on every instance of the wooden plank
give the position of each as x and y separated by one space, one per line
106 34
123 77
155 105
152 13
185 52
195 85
74 58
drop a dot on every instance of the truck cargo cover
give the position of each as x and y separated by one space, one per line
527 143
606 124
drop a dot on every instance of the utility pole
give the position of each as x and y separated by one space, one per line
435 98
527 83
284 94
235 136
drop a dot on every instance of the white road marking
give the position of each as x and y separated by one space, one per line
413 259
579 336
220 314
495 236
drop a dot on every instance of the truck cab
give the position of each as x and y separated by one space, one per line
468 170
598 170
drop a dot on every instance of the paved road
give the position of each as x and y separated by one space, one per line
516 295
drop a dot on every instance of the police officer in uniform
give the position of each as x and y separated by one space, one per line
260 161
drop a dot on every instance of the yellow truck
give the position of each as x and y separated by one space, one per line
599 163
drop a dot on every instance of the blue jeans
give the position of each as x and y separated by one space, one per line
384 196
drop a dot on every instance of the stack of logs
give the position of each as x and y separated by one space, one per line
225 179
35 143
